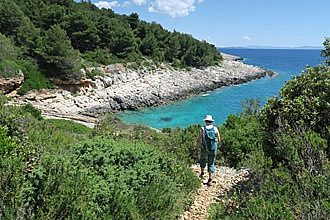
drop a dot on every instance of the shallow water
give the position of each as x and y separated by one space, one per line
227 100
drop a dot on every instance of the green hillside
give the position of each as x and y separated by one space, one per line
61 37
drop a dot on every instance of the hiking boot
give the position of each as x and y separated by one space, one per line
201 175
209 182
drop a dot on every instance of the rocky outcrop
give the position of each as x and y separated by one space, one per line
73 85
127 88
226 56
10 84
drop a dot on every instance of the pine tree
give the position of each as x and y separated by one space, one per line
10 17
82 32
28 36
57 50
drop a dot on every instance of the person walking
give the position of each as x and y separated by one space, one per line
209 138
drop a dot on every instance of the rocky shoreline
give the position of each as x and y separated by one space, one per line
122 88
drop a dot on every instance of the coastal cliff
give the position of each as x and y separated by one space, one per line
122 88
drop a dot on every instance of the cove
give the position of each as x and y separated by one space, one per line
227 100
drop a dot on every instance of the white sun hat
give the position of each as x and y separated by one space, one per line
208 118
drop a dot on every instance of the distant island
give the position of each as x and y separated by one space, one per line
274 47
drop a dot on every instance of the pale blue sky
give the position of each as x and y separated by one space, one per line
278 23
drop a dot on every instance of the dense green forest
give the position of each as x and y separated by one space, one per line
58 38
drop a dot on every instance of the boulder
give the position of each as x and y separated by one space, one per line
8 85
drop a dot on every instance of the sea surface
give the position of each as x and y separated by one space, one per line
227 100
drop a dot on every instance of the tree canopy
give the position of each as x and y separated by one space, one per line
53 32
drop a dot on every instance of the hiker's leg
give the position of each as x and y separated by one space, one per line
201 175
210 176
210 165
202 161
211 159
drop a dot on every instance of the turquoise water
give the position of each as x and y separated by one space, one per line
227 100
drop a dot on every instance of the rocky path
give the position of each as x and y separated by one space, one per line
225 179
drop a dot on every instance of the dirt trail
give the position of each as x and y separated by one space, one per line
224 179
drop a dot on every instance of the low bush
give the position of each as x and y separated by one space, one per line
36 113
305 101
102 178
6 143
180 142
140 182
241 136
33 78
57 169
9 68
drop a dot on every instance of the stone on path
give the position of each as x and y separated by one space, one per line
224 179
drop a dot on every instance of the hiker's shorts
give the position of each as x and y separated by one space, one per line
208 156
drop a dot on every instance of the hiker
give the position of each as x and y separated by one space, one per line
209 138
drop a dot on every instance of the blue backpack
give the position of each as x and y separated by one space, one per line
210 138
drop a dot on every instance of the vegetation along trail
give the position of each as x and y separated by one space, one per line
225 179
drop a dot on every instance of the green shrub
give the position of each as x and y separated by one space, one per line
141 169
51 176
69 126
305 101
104 178
9 68
11 177
296 188
10 117
101 56
36 113
5 142
34 79
94 72
292 187
180 142
32 150
241 136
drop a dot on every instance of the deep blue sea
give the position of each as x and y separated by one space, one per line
227 100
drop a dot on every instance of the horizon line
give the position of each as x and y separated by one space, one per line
274 47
